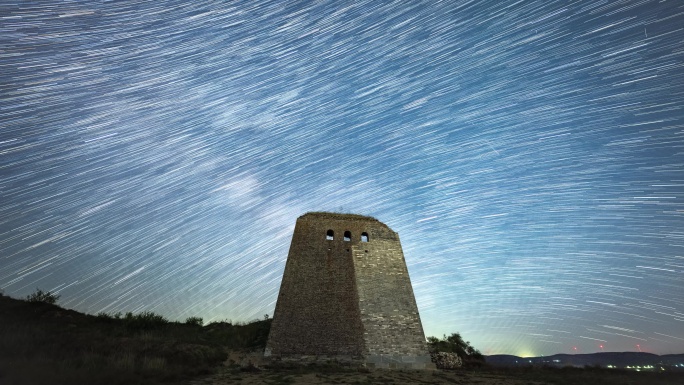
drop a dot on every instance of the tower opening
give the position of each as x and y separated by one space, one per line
330 235
347 236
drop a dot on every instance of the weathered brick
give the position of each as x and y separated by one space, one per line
346 298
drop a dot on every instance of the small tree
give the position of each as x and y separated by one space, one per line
43 296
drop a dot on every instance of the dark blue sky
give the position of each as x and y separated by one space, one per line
155 156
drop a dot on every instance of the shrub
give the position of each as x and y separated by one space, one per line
144 321
43 296
196 321
108 317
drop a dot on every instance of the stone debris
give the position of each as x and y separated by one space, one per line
446 360
245 361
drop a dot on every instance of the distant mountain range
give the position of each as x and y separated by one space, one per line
619 360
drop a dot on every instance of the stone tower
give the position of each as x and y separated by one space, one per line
346 294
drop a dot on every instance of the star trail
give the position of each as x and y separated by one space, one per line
154 155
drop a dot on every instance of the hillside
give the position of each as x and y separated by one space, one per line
42 343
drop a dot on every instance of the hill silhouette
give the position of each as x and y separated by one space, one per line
42 343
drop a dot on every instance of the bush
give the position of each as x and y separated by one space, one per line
239 335
196 321
144 321
108 317
41 296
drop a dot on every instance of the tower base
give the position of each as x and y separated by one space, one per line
376 361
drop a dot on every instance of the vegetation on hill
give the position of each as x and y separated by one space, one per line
43 296
339 215
454 343
42 343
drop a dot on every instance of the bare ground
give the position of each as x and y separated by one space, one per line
377 376
245 369
251 369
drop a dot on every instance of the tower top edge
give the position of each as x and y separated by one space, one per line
339 216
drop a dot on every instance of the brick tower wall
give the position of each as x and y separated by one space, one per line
347 298
317 312
389 312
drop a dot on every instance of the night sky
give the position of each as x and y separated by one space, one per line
155 155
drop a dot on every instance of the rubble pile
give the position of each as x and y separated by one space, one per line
446 360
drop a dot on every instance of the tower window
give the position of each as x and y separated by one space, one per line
347 236
364 237
330 235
